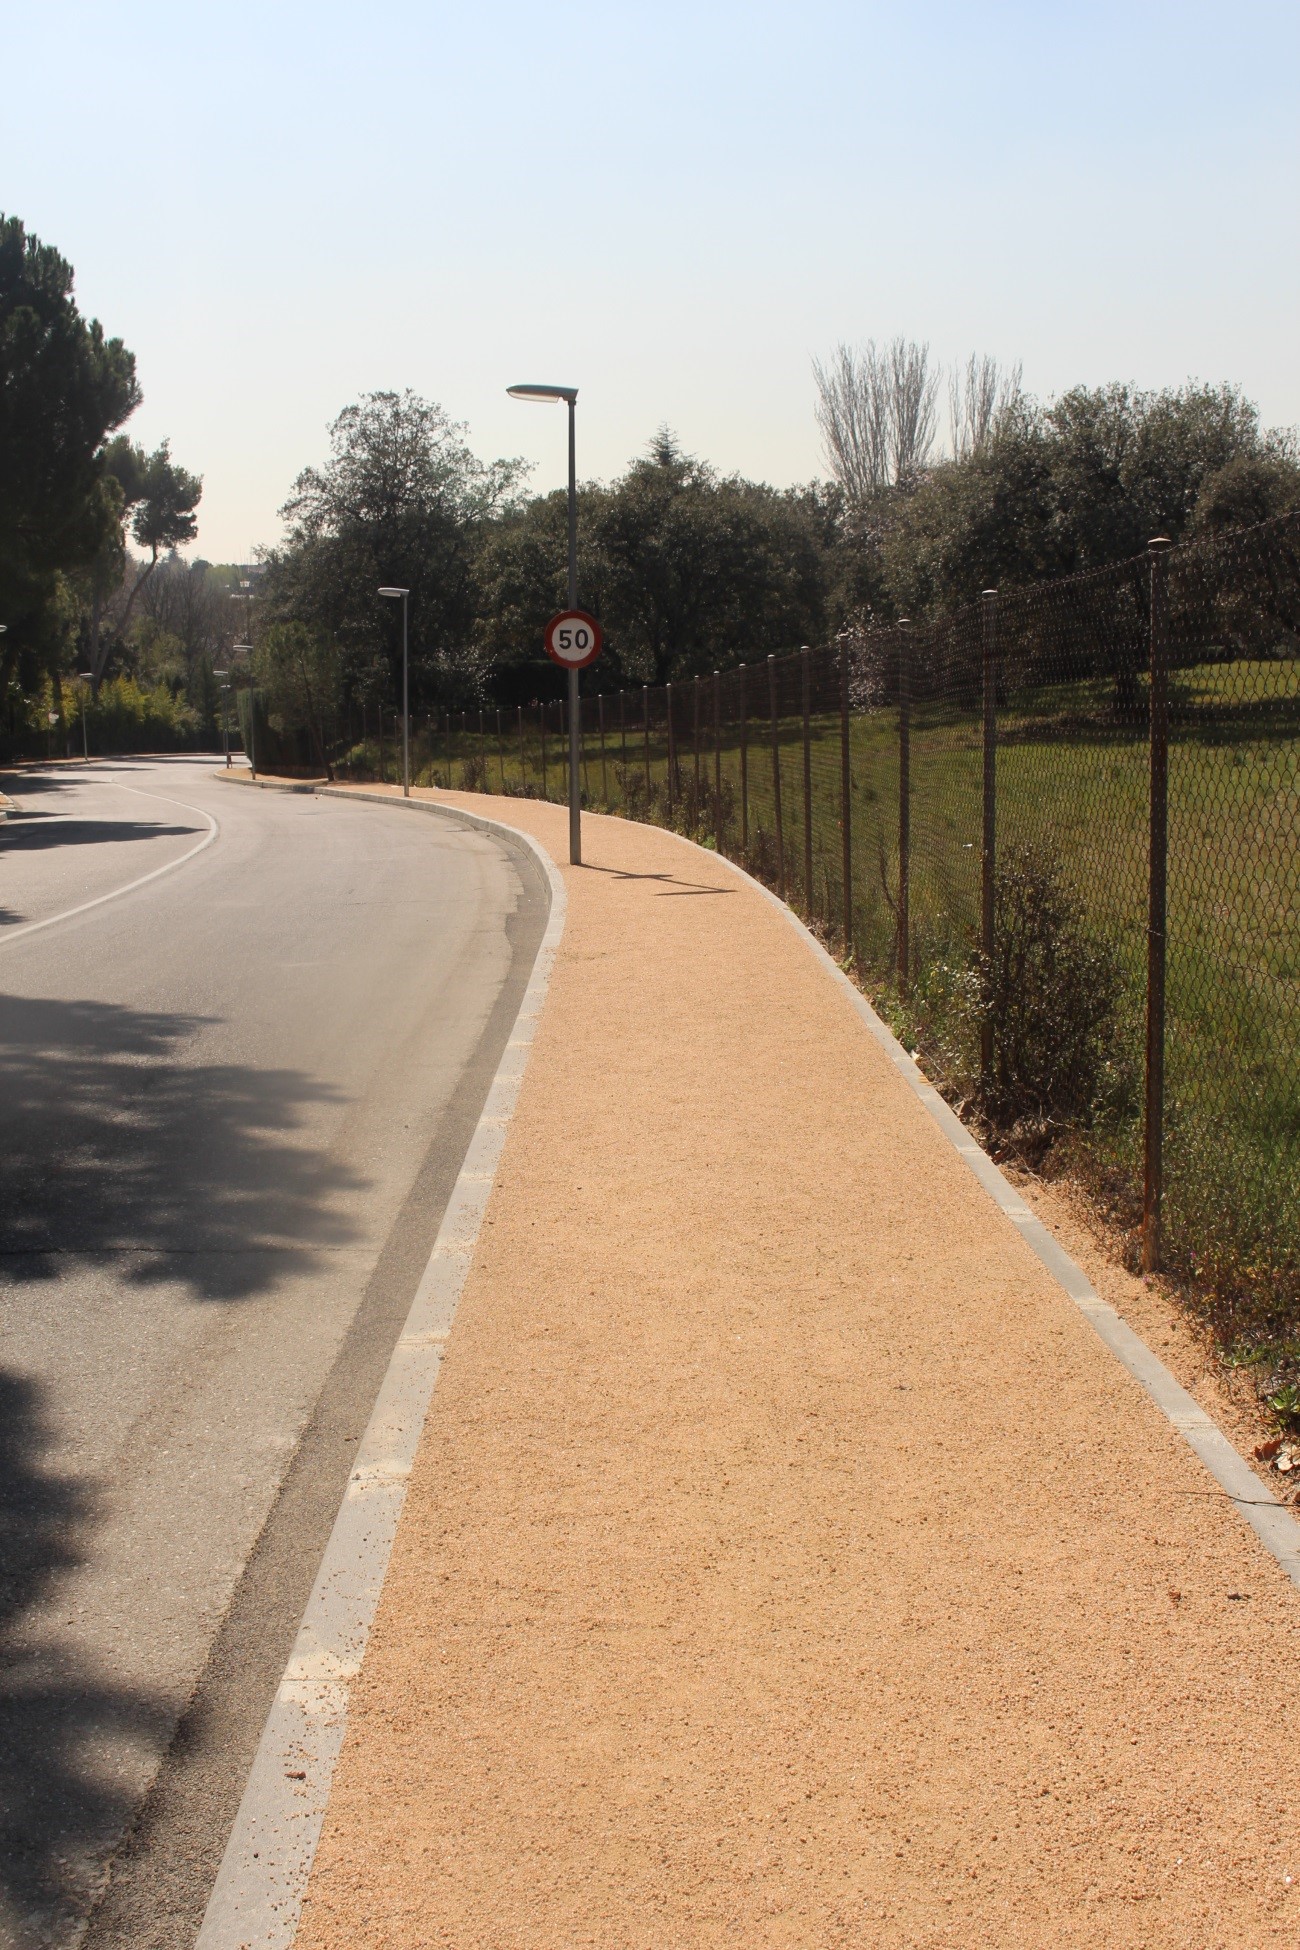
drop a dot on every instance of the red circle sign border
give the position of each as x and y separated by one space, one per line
574 616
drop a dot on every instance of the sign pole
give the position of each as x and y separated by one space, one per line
575 799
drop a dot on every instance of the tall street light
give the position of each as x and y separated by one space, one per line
406 694
246 650
85 678
569 394
221 676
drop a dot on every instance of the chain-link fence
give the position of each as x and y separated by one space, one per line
1056 836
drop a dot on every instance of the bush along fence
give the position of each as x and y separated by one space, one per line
1056 835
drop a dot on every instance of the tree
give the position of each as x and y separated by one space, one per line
64 387
158 499
297 671
688 572
876 408
1081 484
401 500
980 397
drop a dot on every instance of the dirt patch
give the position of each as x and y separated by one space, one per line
786 1561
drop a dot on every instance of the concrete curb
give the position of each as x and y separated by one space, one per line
1272 1523
257 1898
275 785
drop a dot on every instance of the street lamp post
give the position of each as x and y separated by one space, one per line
84 678
221 676
394 592
569 394
246 650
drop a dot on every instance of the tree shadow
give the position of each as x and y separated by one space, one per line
37 832
115 1143
60 1804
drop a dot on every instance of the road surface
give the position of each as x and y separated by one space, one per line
236 1081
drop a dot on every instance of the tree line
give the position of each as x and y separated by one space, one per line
78 498
689 569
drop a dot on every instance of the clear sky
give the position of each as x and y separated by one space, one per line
674 207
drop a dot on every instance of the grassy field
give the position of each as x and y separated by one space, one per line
1073 785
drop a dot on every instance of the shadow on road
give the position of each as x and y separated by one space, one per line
115 1142
58 1798
33 832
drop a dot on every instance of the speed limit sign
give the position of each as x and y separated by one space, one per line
573 639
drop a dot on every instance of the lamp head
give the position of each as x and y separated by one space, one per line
394 592
547 393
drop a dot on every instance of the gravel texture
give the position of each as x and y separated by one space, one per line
786 1561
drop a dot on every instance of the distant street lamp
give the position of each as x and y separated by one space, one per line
548 395
406 695
246 650
85 678
221 676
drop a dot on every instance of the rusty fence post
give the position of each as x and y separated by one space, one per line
672 753
604 765
1157 909
744 767
622 732
988 846
645 710
805 675
846 800
695 738
904 802
501 753
776 778
717 761
523 753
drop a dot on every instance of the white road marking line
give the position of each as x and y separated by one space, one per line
34 927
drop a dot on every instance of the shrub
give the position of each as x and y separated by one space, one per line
1052 991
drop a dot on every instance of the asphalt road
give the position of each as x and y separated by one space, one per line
235 1089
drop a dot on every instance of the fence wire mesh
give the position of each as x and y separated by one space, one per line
969 809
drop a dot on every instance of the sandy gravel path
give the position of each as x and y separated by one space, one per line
786 1561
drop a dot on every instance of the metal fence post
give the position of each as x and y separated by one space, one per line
805 674
604 766
622 732
904 801
1153 1147
846 800
717 760
988 850
501 752
523 753
776 779
447 730
541 720
672 753
695 702
645 712
744 766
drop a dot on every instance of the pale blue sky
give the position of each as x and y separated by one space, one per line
672 207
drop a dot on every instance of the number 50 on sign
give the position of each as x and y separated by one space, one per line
573 639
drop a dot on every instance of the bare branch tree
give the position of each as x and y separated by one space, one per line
853 414
876 411
978 398
913 393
